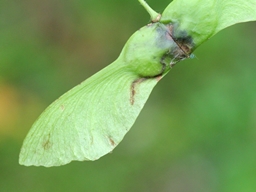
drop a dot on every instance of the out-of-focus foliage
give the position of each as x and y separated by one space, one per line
196 133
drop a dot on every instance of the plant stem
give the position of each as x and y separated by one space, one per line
155 17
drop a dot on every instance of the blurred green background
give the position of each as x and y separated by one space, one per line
197 132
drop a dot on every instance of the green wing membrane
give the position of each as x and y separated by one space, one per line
202 19
88 121
91 119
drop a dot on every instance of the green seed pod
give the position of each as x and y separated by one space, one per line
91 119
148 50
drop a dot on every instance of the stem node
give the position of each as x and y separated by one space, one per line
155 17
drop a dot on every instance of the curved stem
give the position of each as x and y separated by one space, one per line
155 17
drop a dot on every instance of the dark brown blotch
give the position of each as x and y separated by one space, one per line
182 39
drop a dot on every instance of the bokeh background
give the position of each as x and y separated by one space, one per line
197 132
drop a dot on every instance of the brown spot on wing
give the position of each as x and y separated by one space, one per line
133 89
158 78
47 143
62 107
112 142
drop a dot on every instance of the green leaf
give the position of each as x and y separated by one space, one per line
201 19
91 119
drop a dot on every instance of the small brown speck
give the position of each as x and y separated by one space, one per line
133 91
46 143
62 107
112 142
158 78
